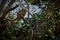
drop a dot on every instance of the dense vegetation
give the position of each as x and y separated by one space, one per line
44 25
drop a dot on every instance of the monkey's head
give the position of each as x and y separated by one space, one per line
21 14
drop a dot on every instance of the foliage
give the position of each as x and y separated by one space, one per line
41 26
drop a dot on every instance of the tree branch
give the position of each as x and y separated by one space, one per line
10 9
7 8
2 5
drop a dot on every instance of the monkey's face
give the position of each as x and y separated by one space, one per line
21 14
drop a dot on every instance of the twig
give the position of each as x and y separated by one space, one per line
31 30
